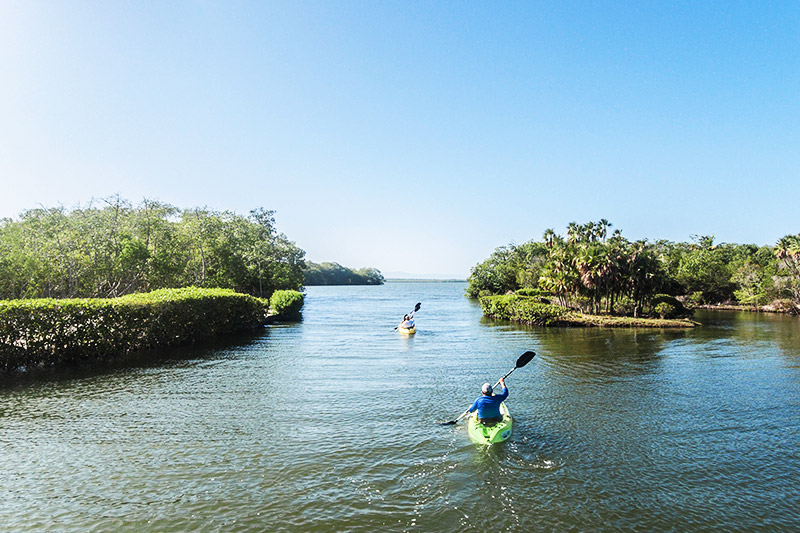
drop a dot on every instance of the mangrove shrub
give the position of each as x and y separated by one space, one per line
286 304
336 274
522 309
43 332
116 248
589 270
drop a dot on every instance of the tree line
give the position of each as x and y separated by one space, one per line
600 273
327 273
115 248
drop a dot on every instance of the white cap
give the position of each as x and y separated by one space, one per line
486 388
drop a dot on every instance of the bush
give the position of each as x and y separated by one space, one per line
623 306
665 310
538 295
672 307
696 298
498 274
43 332
286 304
583 303
521 309
666 298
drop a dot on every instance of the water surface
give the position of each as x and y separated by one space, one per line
331 424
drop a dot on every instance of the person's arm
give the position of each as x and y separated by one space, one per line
503 393
473 406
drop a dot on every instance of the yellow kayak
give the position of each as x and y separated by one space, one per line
407 331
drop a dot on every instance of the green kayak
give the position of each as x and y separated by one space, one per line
481 434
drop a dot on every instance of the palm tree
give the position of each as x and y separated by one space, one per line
788 250
604 225
573 232
593 267
549 237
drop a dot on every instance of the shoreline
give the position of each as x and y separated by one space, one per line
425 280
601 321
748 308
525 310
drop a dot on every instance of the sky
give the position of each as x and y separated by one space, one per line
413 137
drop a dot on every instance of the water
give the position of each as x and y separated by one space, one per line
332 424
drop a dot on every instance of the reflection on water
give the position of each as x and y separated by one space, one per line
332 424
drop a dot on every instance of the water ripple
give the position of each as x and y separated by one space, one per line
332 424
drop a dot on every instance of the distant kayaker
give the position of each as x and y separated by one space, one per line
408 321
488 404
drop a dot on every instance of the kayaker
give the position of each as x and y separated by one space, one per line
488 404
408 321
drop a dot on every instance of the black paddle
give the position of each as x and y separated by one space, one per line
416 308
523 360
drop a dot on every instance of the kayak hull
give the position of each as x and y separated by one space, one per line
500 432
407 331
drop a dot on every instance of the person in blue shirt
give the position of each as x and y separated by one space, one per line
488 404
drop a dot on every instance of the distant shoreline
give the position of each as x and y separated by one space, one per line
426 280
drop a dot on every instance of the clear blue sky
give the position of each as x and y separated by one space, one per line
411 136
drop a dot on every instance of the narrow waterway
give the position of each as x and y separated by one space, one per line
332 424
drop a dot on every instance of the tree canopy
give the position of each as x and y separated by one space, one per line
115 248
588 268
335 274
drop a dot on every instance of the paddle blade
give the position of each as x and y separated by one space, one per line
525 358
449 423
416 307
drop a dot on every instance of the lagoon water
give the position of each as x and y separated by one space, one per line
332 424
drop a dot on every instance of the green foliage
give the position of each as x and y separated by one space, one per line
286 303
590 270
623 306
674 307
118 249
696 298
336 274
665 309
508 269
530 259
498 274
706 268
521 309
537 293
42 332
787 251
582 303
755 283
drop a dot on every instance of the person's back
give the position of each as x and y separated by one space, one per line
408 321
488 404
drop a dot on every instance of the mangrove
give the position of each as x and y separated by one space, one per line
328 273
49 332
563 279
111 248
